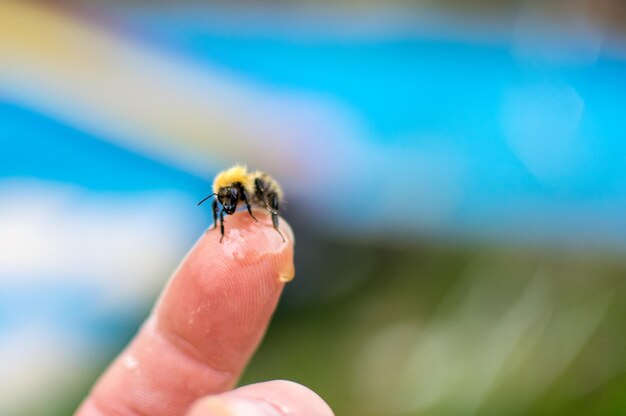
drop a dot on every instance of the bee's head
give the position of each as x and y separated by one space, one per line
228 197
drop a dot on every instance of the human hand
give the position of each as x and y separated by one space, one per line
210 318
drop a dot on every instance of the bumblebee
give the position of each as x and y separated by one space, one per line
236 185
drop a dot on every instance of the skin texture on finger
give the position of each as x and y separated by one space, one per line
272 398
206 325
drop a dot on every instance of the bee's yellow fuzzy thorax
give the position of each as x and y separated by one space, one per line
237 173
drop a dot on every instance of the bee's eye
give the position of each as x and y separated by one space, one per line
234 193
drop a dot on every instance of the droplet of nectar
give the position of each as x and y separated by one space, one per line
287 275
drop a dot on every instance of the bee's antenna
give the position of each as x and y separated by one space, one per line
206 198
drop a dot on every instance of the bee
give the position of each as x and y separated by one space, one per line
235 185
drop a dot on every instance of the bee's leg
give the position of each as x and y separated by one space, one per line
246 200
214 209
222 225
275 222
270 209
274 200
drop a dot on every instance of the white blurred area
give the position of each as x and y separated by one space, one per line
122 247
121 243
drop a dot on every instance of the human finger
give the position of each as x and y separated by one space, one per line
206 325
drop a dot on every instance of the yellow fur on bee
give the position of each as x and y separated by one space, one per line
237 173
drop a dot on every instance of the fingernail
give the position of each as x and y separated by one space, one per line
210 406
222 406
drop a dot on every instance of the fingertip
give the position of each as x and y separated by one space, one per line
231 406
248 241
238 280
272 398
289 397
209 406
241 220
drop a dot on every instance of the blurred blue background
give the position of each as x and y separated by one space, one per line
455 174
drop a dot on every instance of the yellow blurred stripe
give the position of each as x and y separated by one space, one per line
144 99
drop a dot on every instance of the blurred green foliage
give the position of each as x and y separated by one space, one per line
447 331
